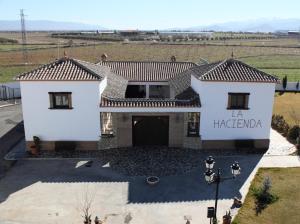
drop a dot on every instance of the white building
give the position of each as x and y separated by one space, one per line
76 104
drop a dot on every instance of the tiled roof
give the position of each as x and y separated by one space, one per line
147 70
183 81
66 69
232 70
143 102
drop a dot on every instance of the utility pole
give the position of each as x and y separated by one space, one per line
24 41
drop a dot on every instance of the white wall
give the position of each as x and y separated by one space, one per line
214 99
82 123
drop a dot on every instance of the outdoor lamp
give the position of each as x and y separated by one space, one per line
235 169
209 176
209 162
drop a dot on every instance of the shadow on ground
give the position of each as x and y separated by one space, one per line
185 187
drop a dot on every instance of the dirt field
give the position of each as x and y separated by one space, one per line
288 105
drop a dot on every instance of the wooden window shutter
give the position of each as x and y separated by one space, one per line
70 100
246 101
229 101
51 100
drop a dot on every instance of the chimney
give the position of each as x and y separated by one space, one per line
104 57
173 58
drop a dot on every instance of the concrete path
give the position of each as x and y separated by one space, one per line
279 145
280 161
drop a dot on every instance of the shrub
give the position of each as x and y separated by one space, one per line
279 124
294 132
263 195
298 143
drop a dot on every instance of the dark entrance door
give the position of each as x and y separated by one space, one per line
150 130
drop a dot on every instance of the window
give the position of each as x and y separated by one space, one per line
60 100
238 101
106 124
135 91
193 124
159 91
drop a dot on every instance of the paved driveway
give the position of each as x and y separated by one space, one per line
51 191
9 117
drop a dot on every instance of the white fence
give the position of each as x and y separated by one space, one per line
10 91
290 87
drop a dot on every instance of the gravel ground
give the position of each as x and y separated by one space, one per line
152 161
141 161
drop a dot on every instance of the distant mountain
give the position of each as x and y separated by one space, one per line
259 25
44 25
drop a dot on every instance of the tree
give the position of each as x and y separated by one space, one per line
284 82
263 195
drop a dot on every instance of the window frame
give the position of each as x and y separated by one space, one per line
52 100
196 123
246 101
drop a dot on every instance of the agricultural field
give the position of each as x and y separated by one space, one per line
279 65
285 184
7 73
276 56
15 47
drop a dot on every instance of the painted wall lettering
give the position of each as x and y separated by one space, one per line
237 120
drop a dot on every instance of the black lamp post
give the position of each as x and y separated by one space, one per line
212 177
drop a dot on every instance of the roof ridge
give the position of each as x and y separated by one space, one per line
168 62
213 68
78 63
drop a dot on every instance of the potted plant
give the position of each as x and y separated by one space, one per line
227 218
35 148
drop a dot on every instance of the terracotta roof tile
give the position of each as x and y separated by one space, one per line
143 102
231 70
66 69
147 71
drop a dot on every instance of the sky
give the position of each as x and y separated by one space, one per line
151 14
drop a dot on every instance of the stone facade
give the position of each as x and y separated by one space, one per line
190 142
259 145
122 128
50 145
